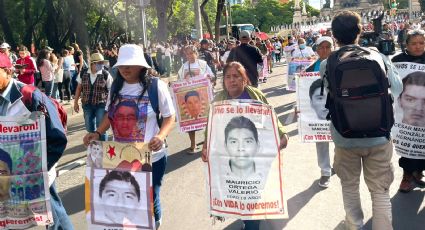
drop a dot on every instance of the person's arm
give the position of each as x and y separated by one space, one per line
100 130
155 144
80 66
393 76
77 97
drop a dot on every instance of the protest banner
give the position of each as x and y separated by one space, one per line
312 123
118 186
192 98
294 67
244 177
24 181
408 131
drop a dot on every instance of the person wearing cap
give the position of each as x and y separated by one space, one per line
230 45
206 55
324 48
47 71
131 84
12 105
5 48
93 87
25 67
249 56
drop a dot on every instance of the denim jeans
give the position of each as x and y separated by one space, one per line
74 82
323 159
251 224
60 217
48 87
158 171
93 115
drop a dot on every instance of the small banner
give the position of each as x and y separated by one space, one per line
24 187
409 128
192 98
312 123
244 178
294 67
118 186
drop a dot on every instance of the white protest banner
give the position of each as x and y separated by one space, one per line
245 165
118 186
24 183
409 128
294 67
312 123
192 98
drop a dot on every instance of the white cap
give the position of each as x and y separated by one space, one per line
4 45
324 39
131 54
245 34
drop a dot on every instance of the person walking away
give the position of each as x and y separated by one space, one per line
132 82
193 67
58 76
167 59
73 69
373 152
68 68
402 35
25 67
79 65
270 55
249 56
324 48
12 105
94 85
412 168
206 55
46 70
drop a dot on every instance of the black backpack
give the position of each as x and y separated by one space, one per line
359 102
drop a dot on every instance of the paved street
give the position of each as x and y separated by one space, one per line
184 194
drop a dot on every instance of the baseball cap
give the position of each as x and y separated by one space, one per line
4 45
245 34
324 39
5 61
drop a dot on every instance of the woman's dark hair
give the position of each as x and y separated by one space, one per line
240 122
42 55
119 176
119 82
346 27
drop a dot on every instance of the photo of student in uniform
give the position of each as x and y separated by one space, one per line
193 104
412 99
125 119
5 172
96 154
318 101
241 143
119 194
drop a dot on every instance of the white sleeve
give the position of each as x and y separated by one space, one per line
166 105
109 81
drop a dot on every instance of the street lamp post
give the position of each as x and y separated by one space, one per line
143 4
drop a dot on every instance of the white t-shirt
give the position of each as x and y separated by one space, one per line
198 68
148 127
94 76
304 53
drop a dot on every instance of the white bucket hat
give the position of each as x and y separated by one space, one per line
131 54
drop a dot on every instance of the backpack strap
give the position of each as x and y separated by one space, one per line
153 98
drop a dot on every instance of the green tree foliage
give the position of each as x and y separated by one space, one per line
267 13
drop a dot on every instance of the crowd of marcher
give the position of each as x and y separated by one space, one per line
110 74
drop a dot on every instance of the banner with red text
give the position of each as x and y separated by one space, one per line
244 162
118 186
24 181
295 67
408 131
192 98
312 123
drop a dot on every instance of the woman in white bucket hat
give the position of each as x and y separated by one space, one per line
131 116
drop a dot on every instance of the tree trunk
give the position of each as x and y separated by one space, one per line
161 7
50 26
205 16
78 26
220 7
127 20
4 22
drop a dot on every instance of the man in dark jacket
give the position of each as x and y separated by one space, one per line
249 56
